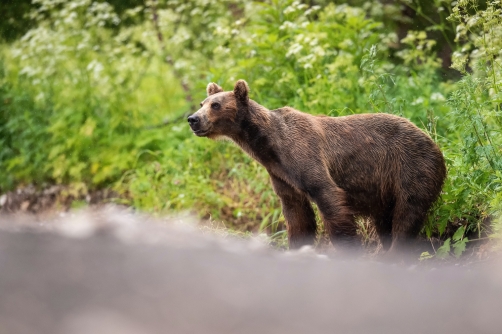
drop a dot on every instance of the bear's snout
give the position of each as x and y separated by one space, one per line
198 126
194 122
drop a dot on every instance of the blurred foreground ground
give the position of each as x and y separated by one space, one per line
114 271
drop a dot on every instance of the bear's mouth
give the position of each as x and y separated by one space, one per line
201 133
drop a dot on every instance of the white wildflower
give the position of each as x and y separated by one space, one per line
307 59
311 10
70 18
16 52
346 43
221 50
411 82
287 25
472 21
361 81
319 51
437 97
294 49
195 11
289 9
299 38
418 101
180 64
96 68
28 70
222 31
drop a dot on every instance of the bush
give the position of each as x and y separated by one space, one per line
79 96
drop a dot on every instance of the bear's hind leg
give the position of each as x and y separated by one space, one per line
407 221
383 224
337 216
300 216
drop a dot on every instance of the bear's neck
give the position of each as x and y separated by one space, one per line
256 135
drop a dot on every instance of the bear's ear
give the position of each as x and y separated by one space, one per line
213 88
241 92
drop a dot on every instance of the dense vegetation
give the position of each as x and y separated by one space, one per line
92 95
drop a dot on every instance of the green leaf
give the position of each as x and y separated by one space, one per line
443 252
425 256
459 247
459 234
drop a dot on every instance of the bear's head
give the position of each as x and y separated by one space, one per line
220 112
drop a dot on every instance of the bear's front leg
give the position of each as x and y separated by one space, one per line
298 212
337 216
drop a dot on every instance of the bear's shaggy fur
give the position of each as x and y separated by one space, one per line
373 165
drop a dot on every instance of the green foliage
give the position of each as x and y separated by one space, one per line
476 155
459 244
307 57
75 107
82 91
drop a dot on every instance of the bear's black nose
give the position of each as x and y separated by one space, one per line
193 121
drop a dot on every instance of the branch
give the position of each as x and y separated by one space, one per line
168 122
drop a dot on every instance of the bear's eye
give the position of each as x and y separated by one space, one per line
215 105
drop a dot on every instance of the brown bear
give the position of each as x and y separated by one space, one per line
379 166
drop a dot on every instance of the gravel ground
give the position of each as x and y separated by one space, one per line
114 271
